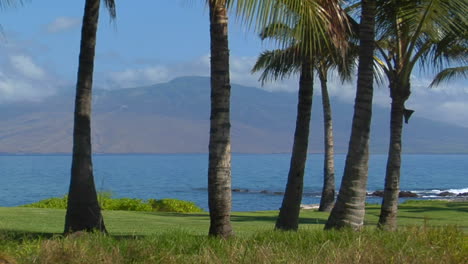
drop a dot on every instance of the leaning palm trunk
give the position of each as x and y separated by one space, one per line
328 191
389 209
83 212
349 208
288 218
219 168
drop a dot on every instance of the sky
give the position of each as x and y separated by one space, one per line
154 42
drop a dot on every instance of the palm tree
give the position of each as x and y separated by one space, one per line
328 190
408 31
344 65
83 211
278 64
349 208
281 63
219 168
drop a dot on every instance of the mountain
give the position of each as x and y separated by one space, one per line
173 117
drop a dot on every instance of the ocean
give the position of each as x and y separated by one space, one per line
259 178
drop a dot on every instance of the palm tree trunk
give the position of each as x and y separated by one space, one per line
388 213
288 218
349 208
219 168
328 191
83 212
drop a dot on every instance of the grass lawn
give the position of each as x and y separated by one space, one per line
430 232
35 220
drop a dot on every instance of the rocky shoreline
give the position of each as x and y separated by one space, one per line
408 194
378 193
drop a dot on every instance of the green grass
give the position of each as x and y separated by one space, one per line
408 245
430 232
39 220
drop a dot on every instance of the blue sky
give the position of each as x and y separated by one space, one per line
154 42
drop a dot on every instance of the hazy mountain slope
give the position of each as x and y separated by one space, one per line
174 118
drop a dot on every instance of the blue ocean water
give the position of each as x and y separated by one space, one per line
26 179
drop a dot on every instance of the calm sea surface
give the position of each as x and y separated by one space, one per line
26 179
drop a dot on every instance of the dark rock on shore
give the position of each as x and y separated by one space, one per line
402 194
377 194
240 190
270 192
463 194
407 194
443 194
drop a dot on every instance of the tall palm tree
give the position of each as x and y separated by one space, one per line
328 191
83 211
219 168
281 63
349 207
344 63
408 32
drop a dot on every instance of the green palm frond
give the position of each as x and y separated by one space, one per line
307 18
278 32
453 47
421 33
450 74
344 62
277 64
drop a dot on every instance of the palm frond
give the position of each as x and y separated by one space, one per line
277 64
309 18
450 74
277 31
422 32
110 6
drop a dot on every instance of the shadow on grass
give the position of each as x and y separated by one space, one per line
21 236
27 235
432 209
272 219
171 214
235 217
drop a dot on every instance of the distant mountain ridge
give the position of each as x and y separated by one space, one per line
173 117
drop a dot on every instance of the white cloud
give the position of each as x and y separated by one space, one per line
61 24
156 73
19 89
138 77
22 79
24 65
